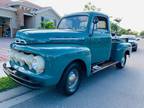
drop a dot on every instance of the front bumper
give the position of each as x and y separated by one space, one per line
25 80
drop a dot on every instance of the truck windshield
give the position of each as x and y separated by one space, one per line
75 23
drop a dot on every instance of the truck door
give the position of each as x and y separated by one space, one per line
101 40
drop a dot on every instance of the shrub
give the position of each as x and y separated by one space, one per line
48 25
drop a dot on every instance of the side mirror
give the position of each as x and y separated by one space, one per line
95 21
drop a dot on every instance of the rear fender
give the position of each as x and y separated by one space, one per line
120 50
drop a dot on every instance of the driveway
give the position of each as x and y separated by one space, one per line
4 47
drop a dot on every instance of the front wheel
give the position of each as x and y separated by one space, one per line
122 63
71 79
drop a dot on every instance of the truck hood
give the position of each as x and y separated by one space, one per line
30 36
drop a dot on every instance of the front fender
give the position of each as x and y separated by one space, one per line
67 56
57 58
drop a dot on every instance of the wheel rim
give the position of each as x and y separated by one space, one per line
72 80
123 61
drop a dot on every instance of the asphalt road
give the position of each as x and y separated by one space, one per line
111 88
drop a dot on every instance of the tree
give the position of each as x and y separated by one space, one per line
47 25
90 7
123 31
142 33
132 32
114 28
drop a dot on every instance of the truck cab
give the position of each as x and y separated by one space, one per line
101 40
80 46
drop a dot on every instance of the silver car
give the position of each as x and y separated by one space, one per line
131 39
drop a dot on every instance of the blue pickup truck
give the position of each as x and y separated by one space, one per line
80 46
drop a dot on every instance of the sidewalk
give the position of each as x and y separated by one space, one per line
18 95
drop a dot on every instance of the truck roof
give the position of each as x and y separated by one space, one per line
87 13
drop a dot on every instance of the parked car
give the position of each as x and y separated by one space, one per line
80 46
131 39
138 38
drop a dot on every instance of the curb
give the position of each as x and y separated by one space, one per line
12 93
21 98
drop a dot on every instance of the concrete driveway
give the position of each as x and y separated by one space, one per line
4 47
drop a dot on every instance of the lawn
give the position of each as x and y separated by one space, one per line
6 83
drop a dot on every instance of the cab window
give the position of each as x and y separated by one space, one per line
102 24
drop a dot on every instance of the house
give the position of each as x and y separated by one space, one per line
15 15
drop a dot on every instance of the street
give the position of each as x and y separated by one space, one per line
111 88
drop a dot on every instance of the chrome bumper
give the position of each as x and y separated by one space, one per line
25 81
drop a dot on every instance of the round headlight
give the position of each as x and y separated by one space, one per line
29 60
38 64
15 58
21 61
12 54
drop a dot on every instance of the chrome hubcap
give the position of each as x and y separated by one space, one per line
72 80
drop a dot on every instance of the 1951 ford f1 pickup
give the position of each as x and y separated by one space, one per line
80 46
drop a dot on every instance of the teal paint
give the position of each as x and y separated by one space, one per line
61 47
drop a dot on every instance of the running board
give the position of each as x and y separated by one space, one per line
97 68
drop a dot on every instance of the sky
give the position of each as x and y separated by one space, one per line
131 11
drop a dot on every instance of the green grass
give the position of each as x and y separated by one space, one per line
7 83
